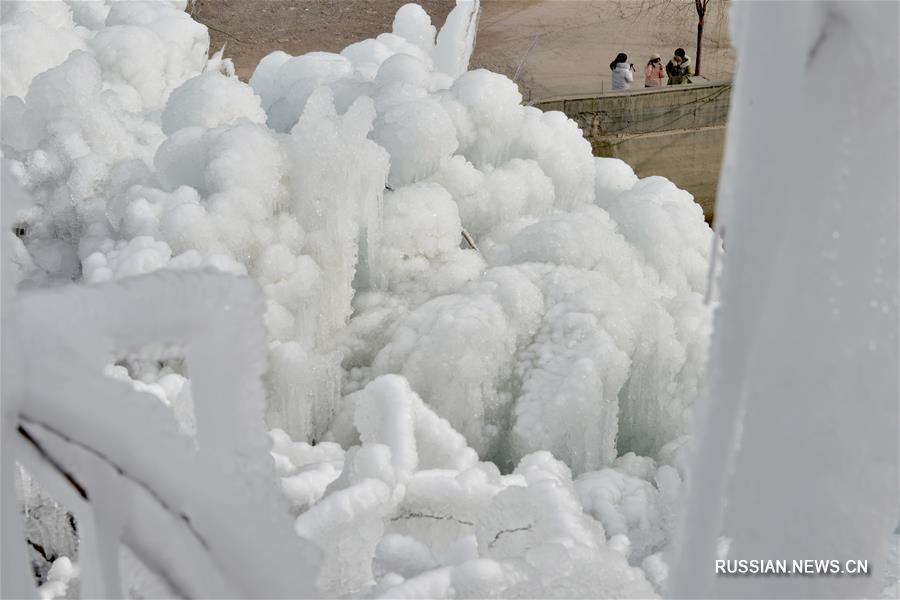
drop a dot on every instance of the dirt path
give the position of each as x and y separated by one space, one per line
558 47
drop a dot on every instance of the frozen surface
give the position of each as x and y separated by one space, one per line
446 420
798 445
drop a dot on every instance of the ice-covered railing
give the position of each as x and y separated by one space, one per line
204 516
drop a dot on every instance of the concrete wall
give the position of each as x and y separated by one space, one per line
677 132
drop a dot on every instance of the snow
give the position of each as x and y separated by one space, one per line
325 348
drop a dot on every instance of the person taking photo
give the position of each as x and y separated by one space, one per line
621 72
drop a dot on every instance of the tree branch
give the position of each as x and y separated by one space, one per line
505 531
419 515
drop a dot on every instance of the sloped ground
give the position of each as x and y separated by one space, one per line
557 46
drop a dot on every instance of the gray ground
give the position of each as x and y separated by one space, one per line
558 47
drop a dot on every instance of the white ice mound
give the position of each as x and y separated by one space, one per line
211 100
589 342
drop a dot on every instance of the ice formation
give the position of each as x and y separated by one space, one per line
410 511
446 421
797 454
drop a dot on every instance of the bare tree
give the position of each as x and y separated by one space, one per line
700 5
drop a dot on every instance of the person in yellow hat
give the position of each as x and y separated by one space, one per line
654 72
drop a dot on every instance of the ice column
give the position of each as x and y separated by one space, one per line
456 39
797 445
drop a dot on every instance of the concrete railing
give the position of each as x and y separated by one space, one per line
674 131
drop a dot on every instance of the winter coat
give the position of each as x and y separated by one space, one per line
622 77
679 74
654 75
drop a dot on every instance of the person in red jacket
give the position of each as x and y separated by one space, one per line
654 72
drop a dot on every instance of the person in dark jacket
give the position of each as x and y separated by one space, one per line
679 68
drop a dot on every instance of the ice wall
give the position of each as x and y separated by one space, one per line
797 450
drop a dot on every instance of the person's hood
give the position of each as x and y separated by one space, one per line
622 66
